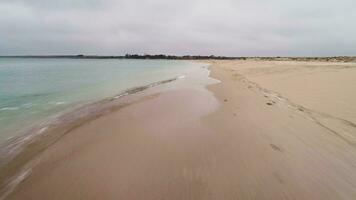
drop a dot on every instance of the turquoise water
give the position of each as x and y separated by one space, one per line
32 89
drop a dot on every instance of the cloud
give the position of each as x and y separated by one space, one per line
225 27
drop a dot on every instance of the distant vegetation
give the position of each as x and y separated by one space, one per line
172 57
197 57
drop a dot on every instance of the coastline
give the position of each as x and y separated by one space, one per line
235 140
18 154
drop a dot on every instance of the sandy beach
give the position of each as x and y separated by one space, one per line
265 130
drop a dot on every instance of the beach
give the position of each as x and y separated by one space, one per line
251 130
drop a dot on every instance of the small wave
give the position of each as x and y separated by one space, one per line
142 88
12 183
57 102
9 108
42 130
27 105
29 137
181 77
120 95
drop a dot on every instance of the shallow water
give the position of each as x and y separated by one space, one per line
33 90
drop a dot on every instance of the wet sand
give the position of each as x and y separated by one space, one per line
248 137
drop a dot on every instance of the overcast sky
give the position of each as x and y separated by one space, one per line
219 27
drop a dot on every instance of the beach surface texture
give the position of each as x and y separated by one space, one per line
260 130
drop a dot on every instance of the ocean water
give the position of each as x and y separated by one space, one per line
32 90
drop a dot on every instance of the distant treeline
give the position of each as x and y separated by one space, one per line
212 57
172 57
198 57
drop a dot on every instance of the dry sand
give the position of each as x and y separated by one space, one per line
283 130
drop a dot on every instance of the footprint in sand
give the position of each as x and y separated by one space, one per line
276 148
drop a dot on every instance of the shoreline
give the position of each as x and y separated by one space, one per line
238 140
18 153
